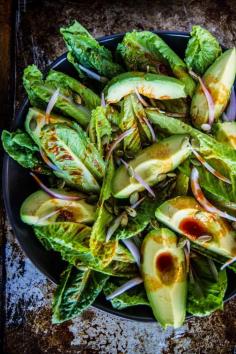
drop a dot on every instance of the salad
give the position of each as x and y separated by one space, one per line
135 163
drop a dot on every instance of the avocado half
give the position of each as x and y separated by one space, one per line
159 158
226 133
165 278
155 86
39 205
185 216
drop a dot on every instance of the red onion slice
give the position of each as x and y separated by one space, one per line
187 248
154 138
54 194
51 104
48 162
138 178
133 250
209 98
130 284
135 205
198 194
48 216
230 114
229 262
204 238
118 140
209 167
92 75
112 229
141 99
103 102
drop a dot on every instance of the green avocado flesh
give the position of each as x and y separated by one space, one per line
219 79
226 133
39 205
151 85
150 163
184 215
165 278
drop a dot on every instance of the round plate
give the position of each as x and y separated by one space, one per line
17 185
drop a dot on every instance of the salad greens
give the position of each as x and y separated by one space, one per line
121 166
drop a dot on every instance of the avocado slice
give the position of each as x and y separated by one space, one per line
165 277
184 215
219 79
159 158
40 204
151 85
226 133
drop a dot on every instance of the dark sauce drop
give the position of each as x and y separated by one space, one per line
192 227
164 262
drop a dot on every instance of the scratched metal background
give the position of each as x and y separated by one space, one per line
27 296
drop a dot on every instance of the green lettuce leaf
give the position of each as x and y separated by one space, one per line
105 251
219 155
206 287
77 290
80 93
40 92
132 297
202 50
132 117
100 129
71 150
142 49
23 150
85 50
71 240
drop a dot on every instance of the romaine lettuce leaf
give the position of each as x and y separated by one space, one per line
132 297
219 155
100 129
71 150
101 249
206 287
138 45
40 92
76 292
85 50
202 50
23 150
71 240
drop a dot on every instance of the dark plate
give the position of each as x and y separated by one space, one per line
17 185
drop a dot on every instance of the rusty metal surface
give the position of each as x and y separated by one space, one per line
28 293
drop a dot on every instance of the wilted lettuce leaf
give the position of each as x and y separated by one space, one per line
23 150
145 212
78 290
206 289
40 92
105 251
71 240
132 117
132 297
71 150
80 93
100 129
219 155
142 49
202 50
85 50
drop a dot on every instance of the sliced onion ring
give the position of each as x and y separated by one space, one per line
209 167
141 99
198 194
51 104
154 138
230 114
103 102
133 250
92 75
138 178
118 140
45 217
114 226
54 194
126 286
48 162
210 102
135 205
228 263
